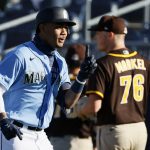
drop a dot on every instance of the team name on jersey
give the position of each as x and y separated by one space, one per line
34 77
130 64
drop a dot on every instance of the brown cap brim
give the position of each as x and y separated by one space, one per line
94 28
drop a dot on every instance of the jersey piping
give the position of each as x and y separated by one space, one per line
123 55
95 92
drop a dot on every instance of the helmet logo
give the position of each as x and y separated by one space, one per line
65 14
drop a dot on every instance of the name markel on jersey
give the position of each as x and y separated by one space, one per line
130 64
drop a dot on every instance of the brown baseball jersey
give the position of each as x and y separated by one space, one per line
122 81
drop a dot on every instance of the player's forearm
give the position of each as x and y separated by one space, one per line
71 98
91 107
74 93
86 111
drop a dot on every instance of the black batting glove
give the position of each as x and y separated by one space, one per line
87 67
10 130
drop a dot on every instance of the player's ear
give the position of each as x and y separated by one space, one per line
111 35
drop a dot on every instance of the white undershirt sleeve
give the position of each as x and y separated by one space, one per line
2 90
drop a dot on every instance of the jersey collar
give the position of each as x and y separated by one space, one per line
123 52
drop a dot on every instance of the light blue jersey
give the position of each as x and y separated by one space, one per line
26 73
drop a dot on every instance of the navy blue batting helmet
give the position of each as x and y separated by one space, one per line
53 15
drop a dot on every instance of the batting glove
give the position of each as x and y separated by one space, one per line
10 130
87 67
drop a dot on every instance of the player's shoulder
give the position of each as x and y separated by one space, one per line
145 58
139 56
102 60
18 51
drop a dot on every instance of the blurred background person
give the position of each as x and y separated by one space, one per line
67 131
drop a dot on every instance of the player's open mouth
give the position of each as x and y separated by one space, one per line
61 40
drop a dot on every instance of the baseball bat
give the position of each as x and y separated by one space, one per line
87 51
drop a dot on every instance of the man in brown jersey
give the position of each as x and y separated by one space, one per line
118 89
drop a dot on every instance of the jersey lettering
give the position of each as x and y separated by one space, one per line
130 64
34 77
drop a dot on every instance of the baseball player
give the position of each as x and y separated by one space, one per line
32 76
118 89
